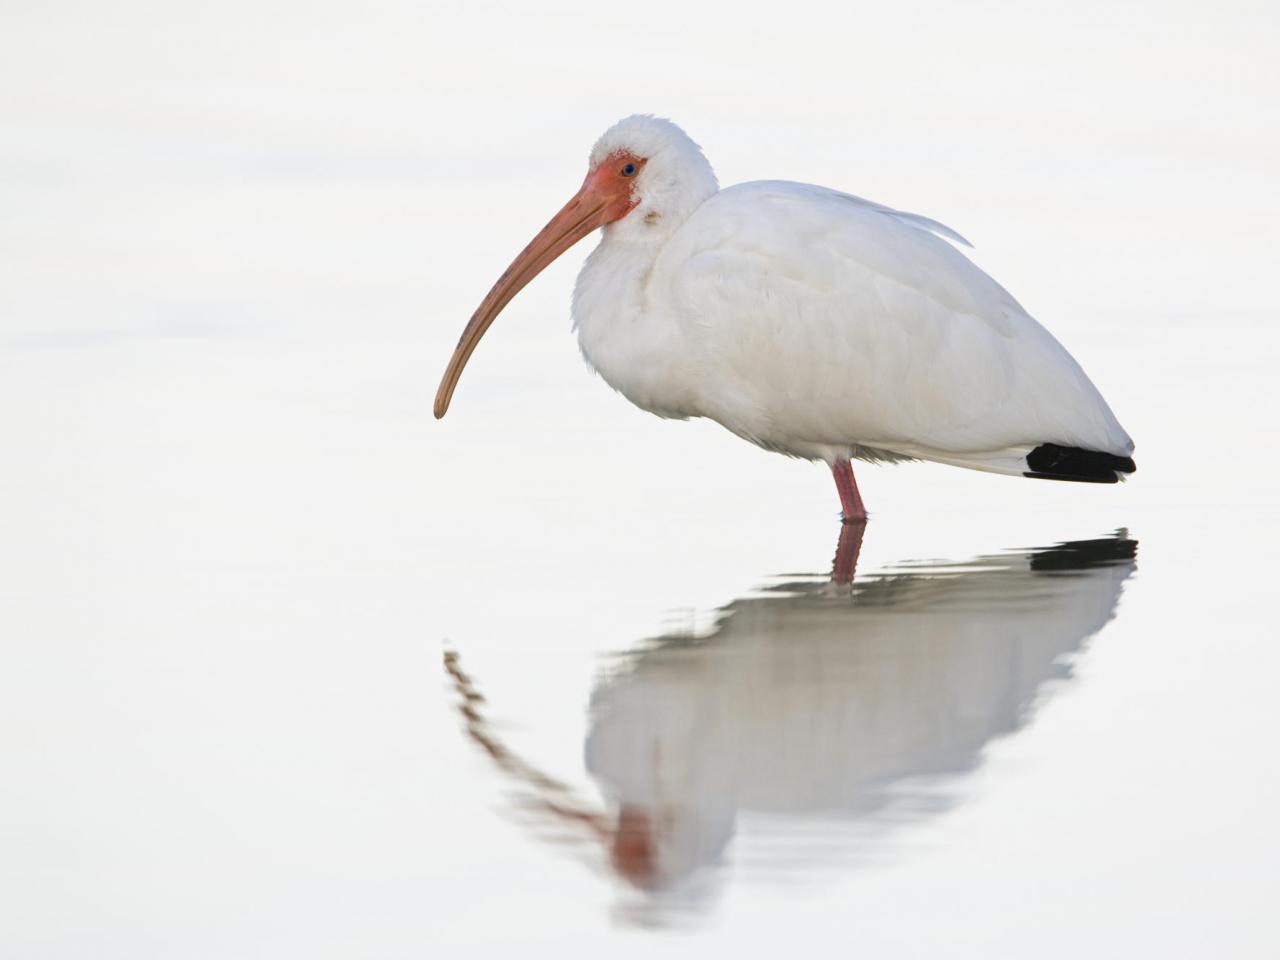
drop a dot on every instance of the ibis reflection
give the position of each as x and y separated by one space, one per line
817 700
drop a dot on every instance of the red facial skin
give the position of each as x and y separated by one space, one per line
606 195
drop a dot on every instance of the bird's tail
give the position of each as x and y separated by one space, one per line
1047 461
1052 461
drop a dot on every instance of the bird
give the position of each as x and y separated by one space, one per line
808 321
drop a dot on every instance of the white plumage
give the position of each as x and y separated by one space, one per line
809 321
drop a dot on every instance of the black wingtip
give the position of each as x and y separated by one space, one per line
1052 461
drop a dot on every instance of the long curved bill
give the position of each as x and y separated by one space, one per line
579 217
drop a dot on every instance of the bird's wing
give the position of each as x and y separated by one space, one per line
820 317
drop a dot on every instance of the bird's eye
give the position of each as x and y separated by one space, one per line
629 170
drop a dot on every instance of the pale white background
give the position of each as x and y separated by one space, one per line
237 243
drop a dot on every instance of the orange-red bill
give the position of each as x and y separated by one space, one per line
602 199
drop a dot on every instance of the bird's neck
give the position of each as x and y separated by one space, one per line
624 334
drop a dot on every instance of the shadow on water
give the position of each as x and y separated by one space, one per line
813 705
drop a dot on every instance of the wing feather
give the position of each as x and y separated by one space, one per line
823 320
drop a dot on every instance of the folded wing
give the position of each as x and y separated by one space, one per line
825 320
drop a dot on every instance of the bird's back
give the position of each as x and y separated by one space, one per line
819 322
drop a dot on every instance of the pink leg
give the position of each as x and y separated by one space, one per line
847 550
850 499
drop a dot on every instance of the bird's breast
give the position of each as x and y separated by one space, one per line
629 336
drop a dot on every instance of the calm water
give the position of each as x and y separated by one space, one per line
288 668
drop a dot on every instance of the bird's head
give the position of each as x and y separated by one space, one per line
645 177
673 178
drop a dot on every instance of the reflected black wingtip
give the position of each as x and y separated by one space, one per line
1083 554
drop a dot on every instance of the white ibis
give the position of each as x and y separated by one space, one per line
808 321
